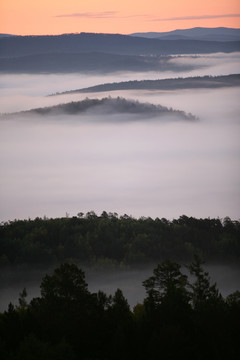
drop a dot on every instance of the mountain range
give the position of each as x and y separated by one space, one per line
108 43
197 33
107 52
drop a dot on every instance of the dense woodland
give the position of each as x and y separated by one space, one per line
112 240
89 52
194 82
178 319
93 62
107 105
17 46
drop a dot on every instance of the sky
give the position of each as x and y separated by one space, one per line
42 17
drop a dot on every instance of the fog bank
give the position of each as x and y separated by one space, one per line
23 91
129 281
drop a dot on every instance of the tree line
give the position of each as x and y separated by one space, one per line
112 240
194 82
179 318
107 105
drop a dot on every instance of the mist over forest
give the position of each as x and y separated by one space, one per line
155 140
204 82
104 107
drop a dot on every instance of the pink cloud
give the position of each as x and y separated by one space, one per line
196 17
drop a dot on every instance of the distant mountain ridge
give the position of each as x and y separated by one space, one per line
87 62
108 43
103 52
197 33
165 84
6 35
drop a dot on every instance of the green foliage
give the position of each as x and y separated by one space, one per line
167 284
112 240
67 283
202 291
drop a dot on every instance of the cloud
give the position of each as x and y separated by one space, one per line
102 15
197 17
93 15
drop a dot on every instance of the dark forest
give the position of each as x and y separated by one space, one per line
120 240
178 318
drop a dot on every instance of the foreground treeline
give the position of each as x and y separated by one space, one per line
179 318
112 240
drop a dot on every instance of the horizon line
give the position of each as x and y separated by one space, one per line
118 33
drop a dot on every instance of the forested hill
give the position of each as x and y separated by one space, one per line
108 43
99 53
92 61
165 84
112 239
106 106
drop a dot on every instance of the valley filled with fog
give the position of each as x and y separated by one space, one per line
140 162
119 162
107 280
120 186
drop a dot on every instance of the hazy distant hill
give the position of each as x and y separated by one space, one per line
87 61
108 43
99 52
165 84
6 35
106 106
197 33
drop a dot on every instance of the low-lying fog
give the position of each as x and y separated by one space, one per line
57 165
22 91
130 282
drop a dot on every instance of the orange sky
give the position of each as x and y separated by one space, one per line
35 17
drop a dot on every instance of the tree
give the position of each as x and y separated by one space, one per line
234 299
22 299
80 215
120 322
167 285
66 283
120 304
202 291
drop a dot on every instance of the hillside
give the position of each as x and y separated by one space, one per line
197 33
108 43
165 84
112 239
93 62
105 106
99 52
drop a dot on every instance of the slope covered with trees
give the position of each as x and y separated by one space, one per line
110 239
108 43
197 82
99 53
106 106
92 62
